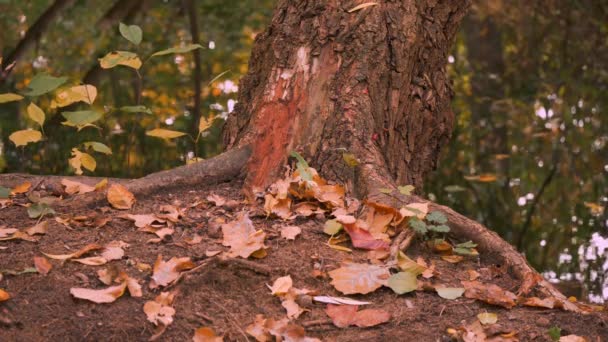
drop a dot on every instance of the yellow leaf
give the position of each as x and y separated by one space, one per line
21 188
486 318
362 6
102 184
10 97
164 133
115 58
83 93
205 123
120 197
35 113
80 160
24 137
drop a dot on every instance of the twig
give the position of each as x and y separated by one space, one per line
402 241
317 322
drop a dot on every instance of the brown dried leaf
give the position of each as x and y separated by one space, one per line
142 221
159 311
43 266
165 272
489 293
242 238
347 315
107 295
290 232
39 229
216 199
359 278
79 253
264 329
72 187
120 197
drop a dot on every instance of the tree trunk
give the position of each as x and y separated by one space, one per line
325 81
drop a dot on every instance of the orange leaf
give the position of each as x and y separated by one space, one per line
346 315
4 296
43 266
21 188
120 197
206 334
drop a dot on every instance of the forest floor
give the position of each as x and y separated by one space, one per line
226 294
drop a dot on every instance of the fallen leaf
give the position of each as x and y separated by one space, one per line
142 221
362 6
408 265
120 197
453 259
216 199
332 227
572 338
242 238
489 293
363 239
290 232
548 302
346 315
281 286
487 318
449 292
43 266
159 311
72 187
338 300
38 229
206 334
21 188
79 253
354 278
4 296
165 272
403 282
263 329
107 295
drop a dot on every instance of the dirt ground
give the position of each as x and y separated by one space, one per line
227 296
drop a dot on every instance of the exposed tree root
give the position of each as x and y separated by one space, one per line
230 164
372 179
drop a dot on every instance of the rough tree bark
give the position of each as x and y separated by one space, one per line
324 80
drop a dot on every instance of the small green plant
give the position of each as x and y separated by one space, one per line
555 333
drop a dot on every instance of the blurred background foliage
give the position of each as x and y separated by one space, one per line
528 158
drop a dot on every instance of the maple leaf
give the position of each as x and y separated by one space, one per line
359 278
